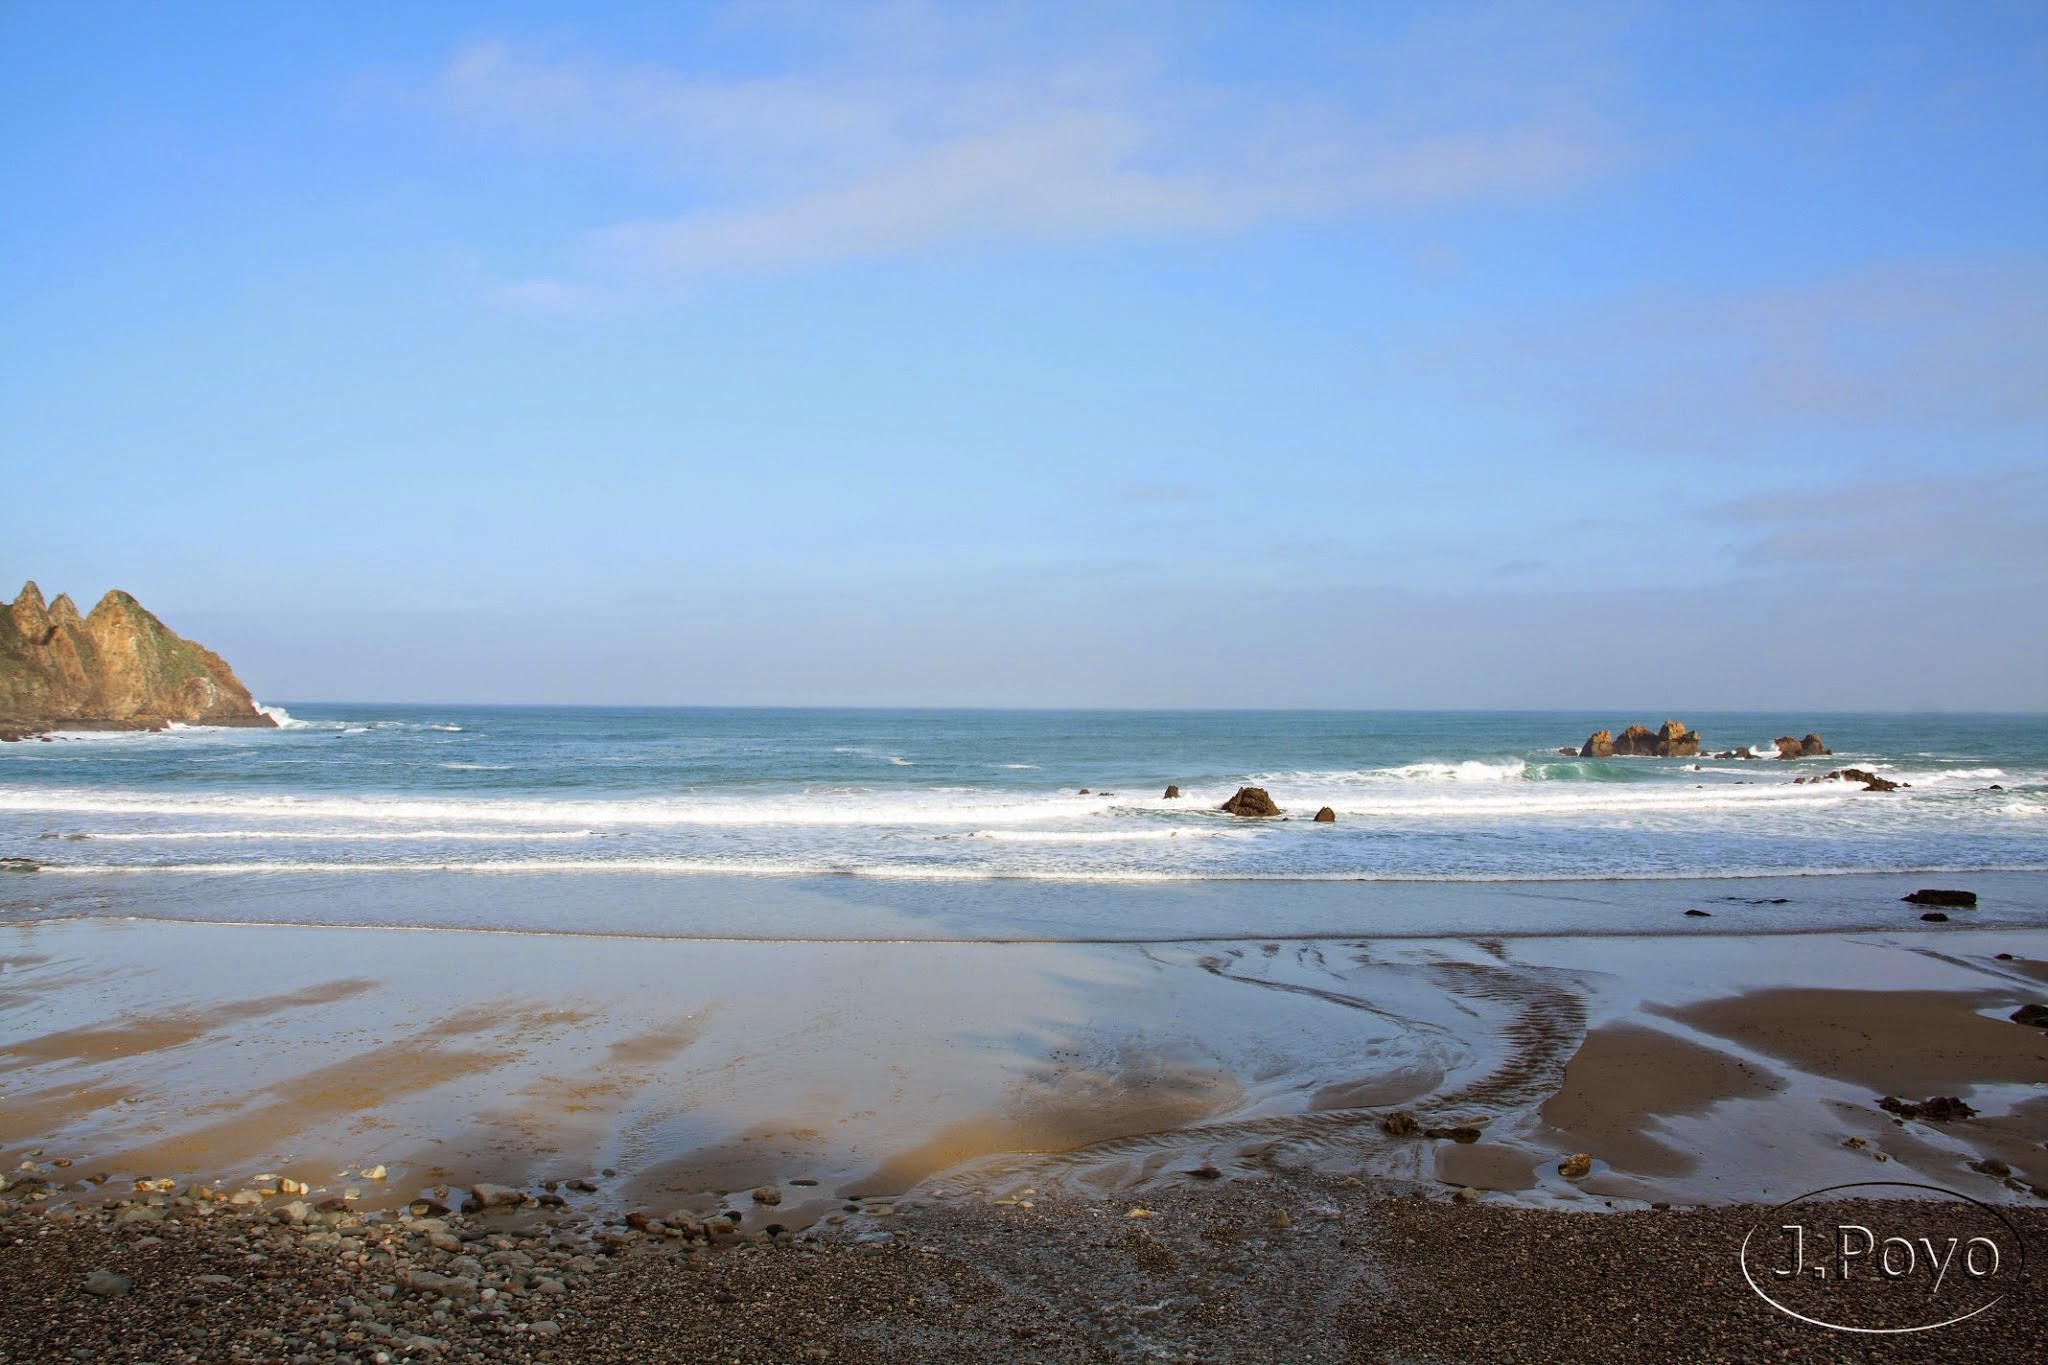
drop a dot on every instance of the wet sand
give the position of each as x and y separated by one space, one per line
1708 1069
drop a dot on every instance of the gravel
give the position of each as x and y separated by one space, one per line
1283 1268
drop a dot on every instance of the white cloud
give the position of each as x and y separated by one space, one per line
958 143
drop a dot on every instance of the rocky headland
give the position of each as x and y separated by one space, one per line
119 668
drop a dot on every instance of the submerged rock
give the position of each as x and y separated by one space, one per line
1326 816
1172 794
1929 895
1871 781
1250 801
1576 1165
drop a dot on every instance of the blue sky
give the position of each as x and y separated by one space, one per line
1175 354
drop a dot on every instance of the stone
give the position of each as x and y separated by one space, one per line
1399 1124
1935 917
1466 1195
1575 1166
496 1196
1935 1109
1326 816
1788 747
2030 1014
1670 740
1461 1133
767 1194
546 1327
1871 781
1698 913
375 1173
1250 801
1955 900
1172 794
1811 747
106 1284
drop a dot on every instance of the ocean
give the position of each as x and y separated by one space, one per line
934 799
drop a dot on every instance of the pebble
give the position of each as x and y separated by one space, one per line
1574 1166
107 1285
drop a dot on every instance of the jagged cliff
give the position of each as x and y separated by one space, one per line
118 669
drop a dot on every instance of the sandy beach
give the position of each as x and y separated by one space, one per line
885 1096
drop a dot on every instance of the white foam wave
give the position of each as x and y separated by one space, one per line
337 836
898 761
926 872
1021 767
447 729
478 767
281 717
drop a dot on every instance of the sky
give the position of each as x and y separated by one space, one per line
1120 354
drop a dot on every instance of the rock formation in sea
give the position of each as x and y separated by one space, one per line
1326 816
117 669
1810 747
1250 801
1671 740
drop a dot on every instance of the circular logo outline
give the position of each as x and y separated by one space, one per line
1742 1254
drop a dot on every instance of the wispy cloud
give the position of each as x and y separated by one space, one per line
1911 528
960 144
1884 353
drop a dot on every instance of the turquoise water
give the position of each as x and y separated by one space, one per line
939 795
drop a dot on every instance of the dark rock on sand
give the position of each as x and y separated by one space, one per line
1575 1166
1326 816
1172 794
2030 1014
1399 1124
1460 1133
1250 801
1929 895
1935 1108
1699 913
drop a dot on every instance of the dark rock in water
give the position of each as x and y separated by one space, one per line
1172 794
1399 1124
1788 747
1458 1134
19 865
1206 1173
1811 747
1250 801
1670 740
1636 742
2030 1014
1935 917
1928 895
2005 957
1742 752
1994 787
1871 781
1935 1109
1326 816
1700 913
1086 792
